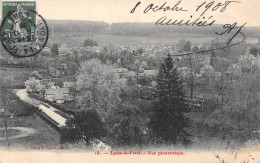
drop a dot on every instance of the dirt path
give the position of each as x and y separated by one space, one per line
24 131
49 111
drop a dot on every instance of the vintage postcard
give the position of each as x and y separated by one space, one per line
130 81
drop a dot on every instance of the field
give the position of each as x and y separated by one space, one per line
155 40
45 135
125 40
5 71
14 77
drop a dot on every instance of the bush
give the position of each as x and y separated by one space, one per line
84 125
252 142
128 126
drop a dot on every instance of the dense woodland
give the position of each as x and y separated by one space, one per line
136 29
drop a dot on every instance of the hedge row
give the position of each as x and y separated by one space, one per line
60 108
15 87
49 121
5 64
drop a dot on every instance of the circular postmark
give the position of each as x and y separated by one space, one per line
24 33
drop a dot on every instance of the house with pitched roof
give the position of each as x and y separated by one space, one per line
148 73
235 69
184 71
59 95
49 94
206 69
59 98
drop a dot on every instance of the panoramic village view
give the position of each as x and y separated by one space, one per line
98 86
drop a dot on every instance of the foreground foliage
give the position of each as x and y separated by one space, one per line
168 121
84 125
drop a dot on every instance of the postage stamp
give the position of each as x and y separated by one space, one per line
23 31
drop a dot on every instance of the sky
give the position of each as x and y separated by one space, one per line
113 11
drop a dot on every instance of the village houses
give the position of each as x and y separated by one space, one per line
55 89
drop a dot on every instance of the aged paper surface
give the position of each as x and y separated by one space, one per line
99 64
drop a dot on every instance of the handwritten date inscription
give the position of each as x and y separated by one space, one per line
201 21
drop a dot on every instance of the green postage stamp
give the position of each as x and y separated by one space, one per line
20 26
23 31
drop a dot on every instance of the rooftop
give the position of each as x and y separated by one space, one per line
57 91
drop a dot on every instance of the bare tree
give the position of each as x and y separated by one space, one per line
191 80
5 101
222 85
192 83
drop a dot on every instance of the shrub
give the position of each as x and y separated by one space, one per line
84 125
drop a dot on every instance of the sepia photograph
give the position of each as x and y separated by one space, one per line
129 81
